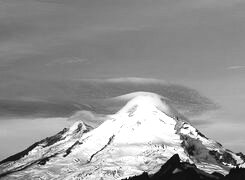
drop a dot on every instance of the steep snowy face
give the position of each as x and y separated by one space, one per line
142 136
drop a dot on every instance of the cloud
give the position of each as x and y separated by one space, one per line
236 67
133 80
186 100
65 61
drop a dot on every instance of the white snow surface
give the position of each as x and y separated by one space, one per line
140 137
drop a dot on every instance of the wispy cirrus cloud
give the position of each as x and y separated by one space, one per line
65 61
236 67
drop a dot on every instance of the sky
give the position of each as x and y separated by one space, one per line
196 43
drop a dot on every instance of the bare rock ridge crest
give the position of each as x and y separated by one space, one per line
140 137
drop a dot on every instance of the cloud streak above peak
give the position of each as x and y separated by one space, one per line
64 61
236 67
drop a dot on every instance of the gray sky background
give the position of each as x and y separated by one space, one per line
197 43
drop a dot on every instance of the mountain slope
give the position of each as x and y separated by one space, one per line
140 137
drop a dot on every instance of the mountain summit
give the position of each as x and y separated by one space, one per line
139 138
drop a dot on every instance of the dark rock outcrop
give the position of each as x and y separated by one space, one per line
173 169
224 157
236 174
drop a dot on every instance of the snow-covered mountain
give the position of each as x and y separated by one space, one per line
140 137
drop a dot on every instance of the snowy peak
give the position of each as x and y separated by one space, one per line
145 103
140 137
